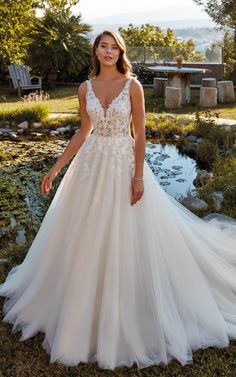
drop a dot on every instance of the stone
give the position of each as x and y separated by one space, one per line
61 129
36 124
13 222
202 178
199 140
20 238
192 138
20 131
23 125
5 130
195 204
172 97
36 134
225 91
54 133
13 135
208 96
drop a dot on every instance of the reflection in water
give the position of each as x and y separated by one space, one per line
174 171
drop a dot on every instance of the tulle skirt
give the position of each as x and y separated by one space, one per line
119 284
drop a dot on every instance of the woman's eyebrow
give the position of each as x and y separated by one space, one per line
113 44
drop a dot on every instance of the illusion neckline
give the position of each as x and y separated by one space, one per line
113 99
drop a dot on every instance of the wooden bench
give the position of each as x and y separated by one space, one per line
21 79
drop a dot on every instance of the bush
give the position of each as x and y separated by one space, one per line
143 73
225 182
207 152
30 113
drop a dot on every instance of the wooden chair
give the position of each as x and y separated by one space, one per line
21 80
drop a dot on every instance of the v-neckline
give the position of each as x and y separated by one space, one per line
113 99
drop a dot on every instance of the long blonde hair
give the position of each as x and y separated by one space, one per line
123 64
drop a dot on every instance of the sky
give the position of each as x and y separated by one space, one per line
91 9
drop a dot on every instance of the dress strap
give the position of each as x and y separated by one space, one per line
88 85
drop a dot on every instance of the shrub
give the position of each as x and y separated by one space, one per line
207 152
30 113
225 182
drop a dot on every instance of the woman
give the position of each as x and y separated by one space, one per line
118 274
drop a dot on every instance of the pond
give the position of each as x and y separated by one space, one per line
174 171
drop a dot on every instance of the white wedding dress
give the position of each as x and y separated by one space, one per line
118 284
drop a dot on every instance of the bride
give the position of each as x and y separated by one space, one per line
119 271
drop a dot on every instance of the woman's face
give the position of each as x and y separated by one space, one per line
107 51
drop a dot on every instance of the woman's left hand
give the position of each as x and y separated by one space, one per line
137 190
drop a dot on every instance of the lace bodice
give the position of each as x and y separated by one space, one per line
113 121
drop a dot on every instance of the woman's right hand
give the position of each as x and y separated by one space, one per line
47 181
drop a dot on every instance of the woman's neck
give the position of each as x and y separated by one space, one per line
109 73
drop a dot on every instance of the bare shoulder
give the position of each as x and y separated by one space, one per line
135 86
82 89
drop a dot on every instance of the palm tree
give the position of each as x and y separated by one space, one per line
60 46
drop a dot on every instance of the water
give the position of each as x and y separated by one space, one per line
174 171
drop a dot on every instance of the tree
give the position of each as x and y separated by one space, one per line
223 12
59 46
16 19
151 39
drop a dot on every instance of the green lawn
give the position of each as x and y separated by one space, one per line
64 100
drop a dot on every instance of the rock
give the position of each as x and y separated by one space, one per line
20 131
54 133
199 140
20 238
176 137
13 135
202 178
23 125
61 129
218 198
37 134
13 222
36 124
5 130
194 204
192 138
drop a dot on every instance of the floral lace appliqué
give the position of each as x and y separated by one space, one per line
111 132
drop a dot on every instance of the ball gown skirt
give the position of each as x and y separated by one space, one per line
119 284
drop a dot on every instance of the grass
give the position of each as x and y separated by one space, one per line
153 104
64 100
28 359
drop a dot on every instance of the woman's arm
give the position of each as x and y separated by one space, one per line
138 120
74 144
